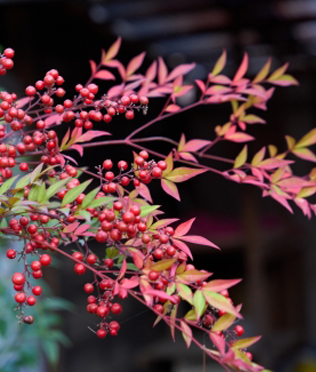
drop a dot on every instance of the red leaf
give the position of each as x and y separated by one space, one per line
93 67
81 229
184 228
104 75
199 240
78 148
135 64
53 119
219 285
201 85
282 200
72 227
161 294
170 188
23 101
218 341
143 190
220 79
242 69
115 91
183 247
138 257
180 70
151 71
195 145
130 283
162 71
91 134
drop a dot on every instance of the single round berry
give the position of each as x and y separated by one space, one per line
101 333
18 279
11 254
79 269
45 259
88 288
239 330
116 308
20 297
153 275
31 301
37 290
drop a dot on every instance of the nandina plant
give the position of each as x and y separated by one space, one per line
146 256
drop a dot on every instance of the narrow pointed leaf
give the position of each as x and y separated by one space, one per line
183 174
199 303
184 228
245 343
72 194
220 64
89 197
198 240
220 302
264 72
104 200
224 322
241 158
186 333
170 188
242 69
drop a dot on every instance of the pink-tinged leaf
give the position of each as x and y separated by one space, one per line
219 285
138 257
160 91
53 119
115 91
163 223
183 174
278 73
134 85
238 137
285 81
186 333
182 91
169 161
78 148
220 79
91 134
161 294
72 227
201 85
145 286
187 156
273 163
163 264
192 276
104 75
123 269
220 302
93 66
282 200
304 205
65 139
180 70
183 247
130 283
259 156
242 69
170 188
143 190
218 341
294 182
113 50
23 101
135 63
305 154
151 71
68 158
184 228
245 342
220 64
81 229
263 73
198 240
172 108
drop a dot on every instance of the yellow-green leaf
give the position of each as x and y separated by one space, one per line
220 64
241 158
245 342
263 73
308 140
224 322
163 264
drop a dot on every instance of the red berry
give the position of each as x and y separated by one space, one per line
109 263
153 275
24 167
88 288
30 90
45 259
239 330
92 259
101 333
18 278
20 297
79 269
129 115
31 301
78 256
36 265
107 164
116 308
11 253
37 290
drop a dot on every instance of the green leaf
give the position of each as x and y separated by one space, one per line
22 182
89 197
199 303
185 293
33 192
72 194
163 264
241 158
183 174
101 201
220 302
190 315
41 193
224 322
245 342
55 187
147 209
7 184
51 350
36 172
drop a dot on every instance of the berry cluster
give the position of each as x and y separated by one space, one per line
6 62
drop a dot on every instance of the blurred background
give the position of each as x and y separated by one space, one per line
273 251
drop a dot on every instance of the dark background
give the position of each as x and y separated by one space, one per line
261 242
